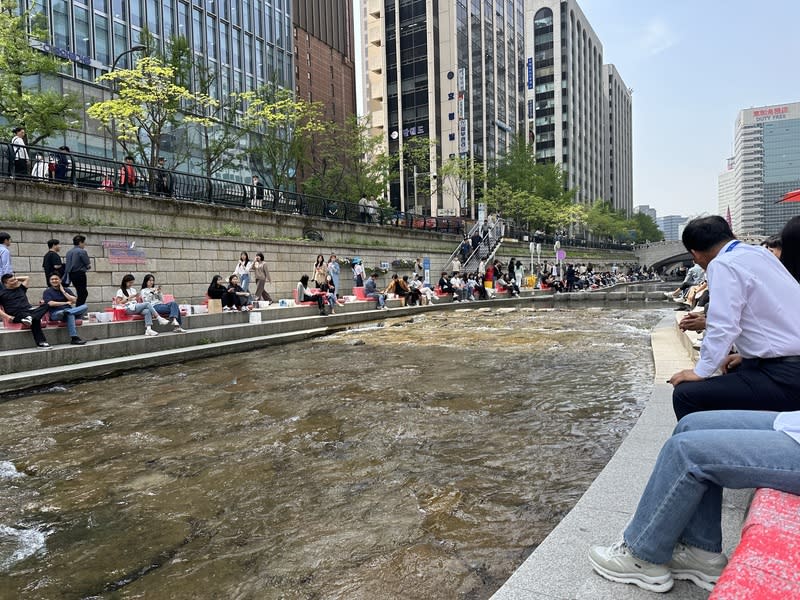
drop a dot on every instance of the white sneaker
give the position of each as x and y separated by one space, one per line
687 564
178 329
175 323
616 563
162 320
149 331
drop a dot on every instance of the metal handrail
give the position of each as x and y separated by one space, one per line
92 172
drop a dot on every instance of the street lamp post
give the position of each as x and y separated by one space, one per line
133 49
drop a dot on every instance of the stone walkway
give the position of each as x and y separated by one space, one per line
558 567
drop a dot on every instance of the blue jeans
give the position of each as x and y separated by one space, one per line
244 281
380 297
143 308
708 451
69 315
171 309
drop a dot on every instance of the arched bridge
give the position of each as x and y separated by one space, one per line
661 254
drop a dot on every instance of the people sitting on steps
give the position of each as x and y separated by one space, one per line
15 306
371 291
235 297
127 298
152 293
61 301
304 295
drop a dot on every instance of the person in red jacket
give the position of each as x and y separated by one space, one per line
127 176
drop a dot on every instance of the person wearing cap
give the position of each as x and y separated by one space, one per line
20 150
371 291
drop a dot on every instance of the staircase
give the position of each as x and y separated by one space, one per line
487 249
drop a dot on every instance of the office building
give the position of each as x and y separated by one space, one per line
645 209
671 226
578 109
726 193
246 43
619 149
324 68
765 165
445 71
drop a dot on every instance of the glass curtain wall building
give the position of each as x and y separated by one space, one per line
246 42
765 166
449 71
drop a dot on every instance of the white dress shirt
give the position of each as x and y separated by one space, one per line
754 303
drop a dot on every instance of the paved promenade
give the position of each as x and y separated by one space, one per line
558 568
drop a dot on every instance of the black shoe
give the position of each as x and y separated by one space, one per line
44 345
26 321
76 341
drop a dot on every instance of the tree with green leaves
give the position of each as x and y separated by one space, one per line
605 222
347 162
147 105
646 228
44 113
281 130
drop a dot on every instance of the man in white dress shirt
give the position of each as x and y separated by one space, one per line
755 304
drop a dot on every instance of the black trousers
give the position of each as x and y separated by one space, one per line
78 280
758 384
36 315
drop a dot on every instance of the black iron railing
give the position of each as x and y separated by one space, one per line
99 173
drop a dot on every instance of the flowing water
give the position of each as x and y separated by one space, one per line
421 458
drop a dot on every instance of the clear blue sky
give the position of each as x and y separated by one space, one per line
693 65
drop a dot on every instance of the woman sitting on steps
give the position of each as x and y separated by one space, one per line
152 293
126 296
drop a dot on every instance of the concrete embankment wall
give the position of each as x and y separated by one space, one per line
185 243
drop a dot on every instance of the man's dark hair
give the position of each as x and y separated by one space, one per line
78 239
790 251
704 233
6 277
4 235
53 242
773 241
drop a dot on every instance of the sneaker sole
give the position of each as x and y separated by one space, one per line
701 580
651 584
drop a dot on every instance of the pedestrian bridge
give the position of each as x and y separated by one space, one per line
661 254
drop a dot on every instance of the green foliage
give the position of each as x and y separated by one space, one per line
458 175
42 112
281 131
646 229
529 193
147 105
347 162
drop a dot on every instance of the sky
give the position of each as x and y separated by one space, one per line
693 65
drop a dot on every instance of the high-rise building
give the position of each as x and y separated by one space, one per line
766 165
246 43
445 71
324 69
671 226
726 192
578 110
646 210
324 66
619 151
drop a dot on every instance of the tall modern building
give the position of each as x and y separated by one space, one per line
766 165
646 210
247 43
726 193
578 109
449 71
671 226
619 151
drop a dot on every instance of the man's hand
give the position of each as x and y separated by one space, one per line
693 322
730 363
685 375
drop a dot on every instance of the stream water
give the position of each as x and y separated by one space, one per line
422 458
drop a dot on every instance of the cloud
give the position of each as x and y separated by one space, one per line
656 37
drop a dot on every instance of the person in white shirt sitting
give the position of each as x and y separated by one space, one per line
754 305
127 297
